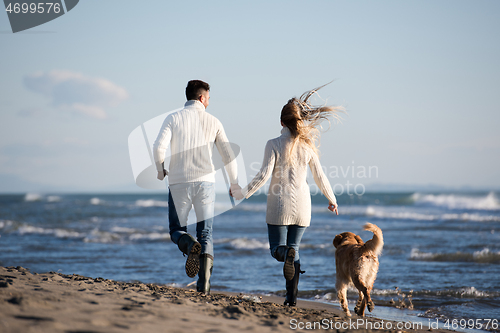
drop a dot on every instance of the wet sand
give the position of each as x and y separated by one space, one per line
53 302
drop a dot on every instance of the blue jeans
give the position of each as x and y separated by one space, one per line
181 197
289 235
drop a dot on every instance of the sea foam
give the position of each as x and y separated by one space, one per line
5 223
154 236
33 197
455 201
243 243
53 198
483 256
59 233
96 201
151 203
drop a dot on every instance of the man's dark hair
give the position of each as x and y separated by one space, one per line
195 88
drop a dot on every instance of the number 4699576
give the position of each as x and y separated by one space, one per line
479 324
33 8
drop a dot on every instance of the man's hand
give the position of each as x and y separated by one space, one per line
162 174
334 208
235 192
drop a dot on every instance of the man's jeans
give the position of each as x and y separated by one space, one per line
181 197
289 235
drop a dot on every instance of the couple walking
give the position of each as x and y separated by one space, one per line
192 134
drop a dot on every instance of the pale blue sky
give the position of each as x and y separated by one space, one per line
420 81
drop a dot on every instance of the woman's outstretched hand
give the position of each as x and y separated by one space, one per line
334 208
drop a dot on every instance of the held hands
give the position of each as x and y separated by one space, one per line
334 208
235 192
162 174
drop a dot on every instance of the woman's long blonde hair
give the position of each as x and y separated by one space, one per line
303 119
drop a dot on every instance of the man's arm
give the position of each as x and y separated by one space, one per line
227 154
160 146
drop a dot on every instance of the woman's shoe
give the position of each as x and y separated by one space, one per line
292 287
289 267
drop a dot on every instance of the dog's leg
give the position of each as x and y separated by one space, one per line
367 300
342 296
361 310
362 305
366 296
359 302
370 303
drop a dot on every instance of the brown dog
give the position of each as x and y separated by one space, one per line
357 264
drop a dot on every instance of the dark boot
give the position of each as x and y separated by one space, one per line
292 286
188 245
206 267
289 270
286 254
280 253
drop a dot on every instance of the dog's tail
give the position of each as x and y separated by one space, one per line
377 242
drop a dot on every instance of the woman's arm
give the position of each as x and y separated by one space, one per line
265 172
322 181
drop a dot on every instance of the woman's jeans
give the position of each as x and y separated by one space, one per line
285 235
201 196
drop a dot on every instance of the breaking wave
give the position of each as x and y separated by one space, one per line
390 213
59 233
151 203
5 223
483 256
100 236
454 201
96 201
462 292
244 243
53 198
154 236
114 235
33 197
471 292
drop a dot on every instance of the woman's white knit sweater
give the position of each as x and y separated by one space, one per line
289 198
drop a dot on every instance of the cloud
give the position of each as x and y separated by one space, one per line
30 112
88 110
46 148
77 93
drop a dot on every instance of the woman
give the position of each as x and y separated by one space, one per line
289 201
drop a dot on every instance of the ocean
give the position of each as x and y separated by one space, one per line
441 258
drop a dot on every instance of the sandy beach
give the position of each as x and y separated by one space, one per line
53 302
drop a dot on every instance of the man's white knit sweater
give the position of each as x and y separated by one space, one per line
192 133
289 198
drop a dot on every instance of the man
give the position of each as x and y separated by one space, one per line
192 134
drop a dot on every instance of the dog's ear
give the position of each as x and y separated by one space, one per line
359 240
337 240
